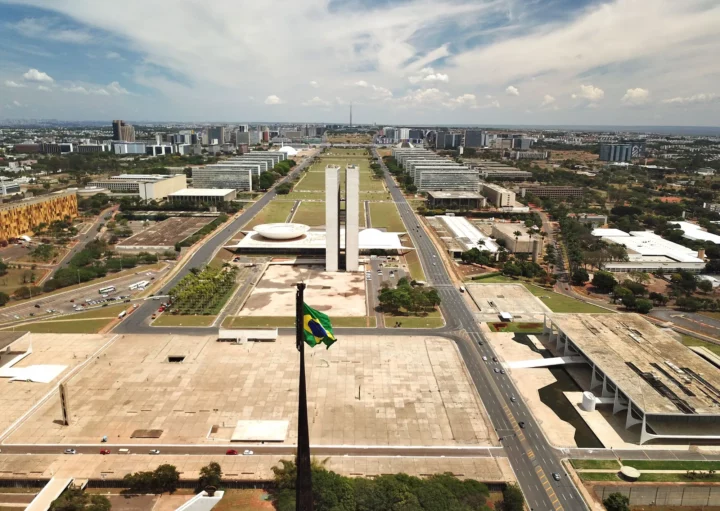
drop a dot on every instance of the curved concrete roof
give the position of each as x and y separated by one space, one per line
281 231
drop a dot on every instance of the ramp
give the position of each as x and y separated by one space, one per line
544 362
50 492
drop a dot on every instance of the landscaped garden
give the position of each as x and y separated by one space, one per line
203 292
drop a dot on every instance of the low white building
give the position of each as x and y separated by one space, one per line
648 252
696 233
466 236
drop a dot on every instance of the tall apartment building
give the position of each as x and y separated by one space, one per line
622 152
18 218
498 196
475 139
123 131
236 178
216 133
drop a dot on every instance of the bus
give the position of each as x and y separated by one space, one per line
140 285
106 290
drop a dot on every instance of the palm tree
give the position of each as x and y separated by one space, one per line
517 235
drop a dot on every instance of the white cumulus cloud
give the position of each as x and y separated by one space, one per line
428 74
512 91
44 88
13 85
77 89
701 98
636 97
46 28
116 88
273 100
33 75
547 100
316 101
589 92
313 83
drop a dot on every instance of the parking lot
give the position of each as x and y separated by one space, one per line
67 302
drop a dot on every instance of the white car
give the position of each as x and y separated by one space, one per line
248 452
70 451
154 451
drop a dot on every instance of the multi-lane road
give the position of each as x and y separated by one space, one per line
531 456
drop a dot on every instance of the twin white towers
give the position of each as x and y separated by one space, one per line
333 209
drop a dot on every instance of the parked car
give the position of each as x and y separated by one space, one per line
522 425
231 452
248 452
104 451
70 451
556 476
154 451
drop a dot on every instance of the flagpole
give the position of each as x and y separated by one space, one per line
303 484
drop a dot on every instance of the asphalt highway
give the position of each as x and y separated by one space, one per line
138 322
269 448
531 456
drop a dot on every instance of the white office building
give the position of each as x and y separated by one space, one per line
498 196
648 252
335 231
236 178
352 217
332 217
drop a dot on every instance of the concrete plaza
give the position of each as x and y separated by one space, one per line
335 294
365 390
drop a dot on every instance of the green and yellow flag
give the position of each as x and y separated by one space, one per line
317 327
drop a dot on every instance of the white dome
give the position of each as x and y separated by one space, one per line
290 151
281 231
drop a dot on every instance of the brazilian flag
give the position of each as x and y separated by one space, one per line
317 327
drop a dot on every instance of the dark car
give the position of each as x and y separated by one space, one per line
556 476
522 425
37 305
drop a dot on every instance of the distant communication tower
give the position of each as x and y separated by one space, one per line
64 404
350 114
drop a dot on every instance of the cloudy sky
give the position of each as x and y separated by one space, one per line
628 62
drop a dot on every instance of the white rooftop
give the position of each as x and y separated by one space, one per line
467 233
143 177
603 233
196 192
646 246
695 232
368 239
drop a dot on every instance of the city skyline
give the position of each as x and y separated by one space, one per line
502 62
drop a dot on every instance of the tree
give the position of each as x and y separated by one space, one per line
267 179
210 475
512 498
658 298
604 281
705 286
636 288
580 277
4 298
643 305
74 499
617 502
3 268
283 189
517 235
